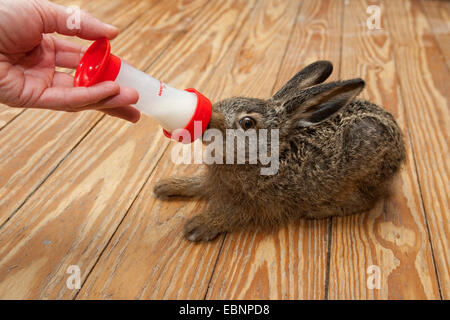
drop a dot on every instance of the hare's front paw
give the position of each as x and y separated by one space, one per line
179 187
198 229
165 189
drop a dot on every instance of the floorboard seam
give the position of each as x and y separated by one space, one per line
51 172
330 225
120 222
425 216
213 70
288 44
12 119
327 274
214 267
411 144
139 16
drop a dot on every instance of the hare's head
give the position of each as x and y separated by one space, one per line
302 101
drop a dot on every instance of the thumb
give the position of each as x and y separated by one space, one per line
73 21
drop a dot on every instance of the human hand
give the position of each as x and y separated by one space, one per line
28 57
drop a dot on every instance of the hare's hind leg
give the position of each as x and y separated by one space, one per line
201 228
207 225
180 187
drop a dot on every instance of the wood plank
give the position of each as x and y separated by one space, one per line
112 11
392 236
274 266
148 258
31 148
438 14
35 143
7 114
424 79
317 37
70 220
72 216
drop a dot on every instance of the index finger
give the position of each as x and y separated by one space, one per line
73 21
67 54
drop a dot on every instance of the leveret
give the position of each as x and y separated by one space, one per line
337 156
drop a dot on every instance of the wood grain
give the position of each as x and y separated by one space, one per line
393 236
70 220
148 37
112 11
32 147
8 114
423 81
438 15
148 258
289 263
83 201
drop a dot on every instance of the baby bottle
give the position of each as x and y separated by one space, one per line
173 109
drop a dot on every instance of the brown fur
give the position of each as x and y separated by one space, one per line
338 156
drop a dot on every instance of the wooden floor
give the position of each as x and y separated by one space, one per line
76 189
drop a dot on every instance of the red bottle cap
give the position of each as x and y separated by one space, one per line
202 113
97 65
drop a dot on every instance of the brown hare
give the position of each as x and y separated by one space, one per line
337 156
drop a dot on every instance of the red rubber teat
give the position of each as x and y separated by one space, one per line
97 65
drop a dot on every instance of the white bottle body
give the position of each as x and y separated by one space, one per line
171 107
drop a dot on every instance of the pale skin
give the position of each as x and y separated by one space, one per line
29 56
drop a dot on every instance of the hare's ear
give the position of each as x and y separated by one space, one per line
311 75
318 103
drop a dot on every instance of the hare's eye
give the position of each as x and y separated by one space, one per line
247 123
